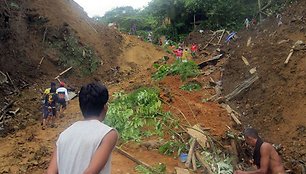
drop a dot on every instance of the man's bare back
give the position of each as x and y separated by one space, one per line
265 156
275 161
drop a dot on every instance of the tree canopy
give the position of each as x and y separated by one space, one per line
175 17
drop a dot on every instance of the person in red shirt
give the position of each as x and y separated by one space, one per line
178 53
194 49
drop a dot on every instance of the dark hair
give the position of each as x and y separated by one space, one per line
92 99
53 87
251 132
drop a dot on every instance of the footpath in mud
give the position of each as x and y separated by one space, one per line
270 97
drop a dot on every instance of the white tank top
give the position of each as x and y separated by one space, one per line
77 144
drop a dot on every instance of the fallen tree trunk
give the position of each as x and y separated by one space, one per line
206 62
243 86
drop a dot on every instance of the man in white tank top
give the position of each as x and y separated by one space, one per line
85 147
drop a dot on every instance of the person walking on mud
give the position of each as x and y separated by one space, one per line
85 147
63 98
186 55
265 156
49 107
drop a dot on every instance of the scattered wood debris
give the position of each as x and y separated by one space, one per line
198 134
3 78
245 60
249 41
253 70
234 114
283 41
62 73
40 62
298 45
243 86
207 62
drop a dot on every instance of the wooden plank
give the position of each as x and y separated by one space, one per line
229 109
199 135
181 170
212 38
40 62
237 121
241 87
204 164
245 60
232 113
194 162
249 41
126 154
253 70
221 36
191 151
68 69
289 56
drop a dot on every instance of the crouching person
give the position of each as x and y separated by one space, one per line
85 147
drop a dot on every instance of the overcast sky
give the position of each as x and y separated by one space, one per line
99 7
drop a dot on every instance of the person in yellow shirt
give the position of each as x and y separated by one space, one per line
186 55
49 106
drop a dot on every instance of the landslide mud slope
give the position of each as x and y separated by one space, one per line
274 104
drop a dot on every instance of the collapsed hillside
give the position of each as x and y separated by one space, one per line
38 42
275 103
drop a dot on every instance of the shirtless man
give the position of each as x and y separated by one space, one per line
265 156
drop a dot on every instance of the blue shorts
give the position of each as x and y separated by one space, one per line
49 111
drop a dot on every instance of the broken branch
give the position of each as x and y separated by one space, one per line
289 56
124 153
63 72
190 153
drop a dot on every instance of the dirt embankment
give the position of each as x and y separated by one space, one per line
274 104
32 31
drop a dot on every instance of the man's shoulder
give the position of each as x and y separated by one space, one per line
266 147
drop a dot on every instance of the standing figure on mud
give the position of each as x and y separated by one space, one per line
178 53
247 23
194 49
49 108
63 98
265 156
186 55
86 146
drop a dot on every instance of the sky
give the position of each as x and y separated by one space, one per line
99 7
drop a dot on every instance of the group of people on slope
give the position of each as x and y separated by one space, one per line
85 147
54 99
184 53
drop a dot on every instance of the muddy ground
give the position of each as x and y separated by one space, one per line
274 104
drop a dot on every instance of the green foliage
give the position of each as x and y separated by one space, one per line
175 17
159 169
72 53
219 162
170 147
184 69
129 113
191 86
